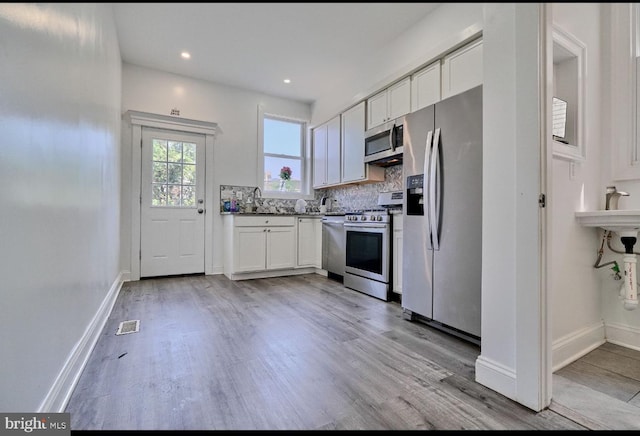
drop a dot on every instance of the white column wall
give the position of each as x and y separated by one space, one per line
60 172
235 149
512 333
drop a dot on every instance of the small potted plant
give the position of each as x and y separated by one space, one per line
285 174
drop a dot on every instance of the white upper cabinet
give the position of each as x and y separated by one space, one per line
425 86
326 153
333 151
389 104
353 167
462 69
353 143
320 156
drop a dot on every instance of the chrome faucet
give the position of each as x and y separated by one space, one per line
257 188
612 198
253 198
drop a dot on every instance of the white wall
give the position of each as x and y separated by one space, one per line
235 150
576 308
621 326
449 25
60 172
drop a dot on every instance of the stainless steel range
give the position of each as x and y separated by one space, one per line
368 248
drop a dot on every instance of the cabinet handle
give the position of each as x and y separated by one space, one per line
269 230
264 230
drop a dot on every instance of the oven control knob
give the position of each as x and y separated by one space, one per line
379 218
364 218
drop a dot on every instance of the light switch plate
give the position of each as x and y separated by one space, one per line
239 195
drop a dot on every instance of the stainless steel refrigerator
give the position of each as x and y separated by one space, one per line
442 214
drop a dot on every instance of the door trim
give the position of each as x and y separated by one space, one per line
136 121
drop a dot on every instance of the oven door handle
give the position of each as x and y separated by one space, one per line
370 226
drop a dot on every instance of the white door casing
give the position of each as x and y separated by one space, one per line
134 121
172 203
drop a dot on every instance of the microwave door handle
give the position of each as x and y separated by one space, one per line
392 136
425 189
434 185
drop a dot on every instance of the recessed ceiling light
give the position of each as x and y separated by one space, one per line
185 55
287 81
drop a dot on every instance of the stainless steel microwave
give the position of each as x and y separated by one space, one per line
383 144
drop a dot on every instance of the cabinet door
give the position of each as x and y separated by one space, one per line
462 69
399 99
397 261
249 249
318 236
320 156
425 87
307 241
333 155
281 247
377 109
353 122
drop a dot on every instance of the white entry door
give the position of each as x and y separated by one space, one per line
172 203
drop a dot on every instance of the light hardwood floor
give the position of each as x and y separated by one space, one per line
289 353
601 390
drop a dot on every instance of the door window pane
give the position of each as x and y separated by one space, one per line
174 173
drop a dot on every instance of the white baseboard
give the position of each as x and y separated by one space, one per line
573 346
623 335
58 396
496 377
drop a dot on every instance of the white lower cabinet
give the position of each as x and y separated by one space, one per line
397 254
263 248
309 242
279 247
269 246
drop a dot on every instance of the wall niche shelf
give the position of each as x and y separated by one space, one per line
569 71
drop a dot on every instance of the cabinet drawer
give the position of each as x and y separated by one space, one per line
260 221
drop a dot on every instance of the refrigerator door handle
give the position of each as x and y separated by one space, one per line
434 184
425 186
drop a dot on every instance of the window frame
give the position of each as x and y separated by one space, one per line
305 184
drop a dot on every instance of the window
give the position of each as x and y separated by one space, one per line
283 156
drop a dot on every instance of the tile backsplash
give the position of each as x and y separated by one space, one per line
356 197
345 198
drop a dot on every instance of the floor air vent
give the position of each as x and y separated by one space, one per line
128 327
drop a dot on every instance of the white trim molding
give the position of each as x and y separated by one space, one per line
572 53
58 396
573 346
623 335
496 376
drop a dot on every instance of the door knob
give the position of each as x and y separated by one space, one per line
200 210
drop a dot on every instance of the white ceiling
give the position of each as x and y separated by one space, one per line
256 45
